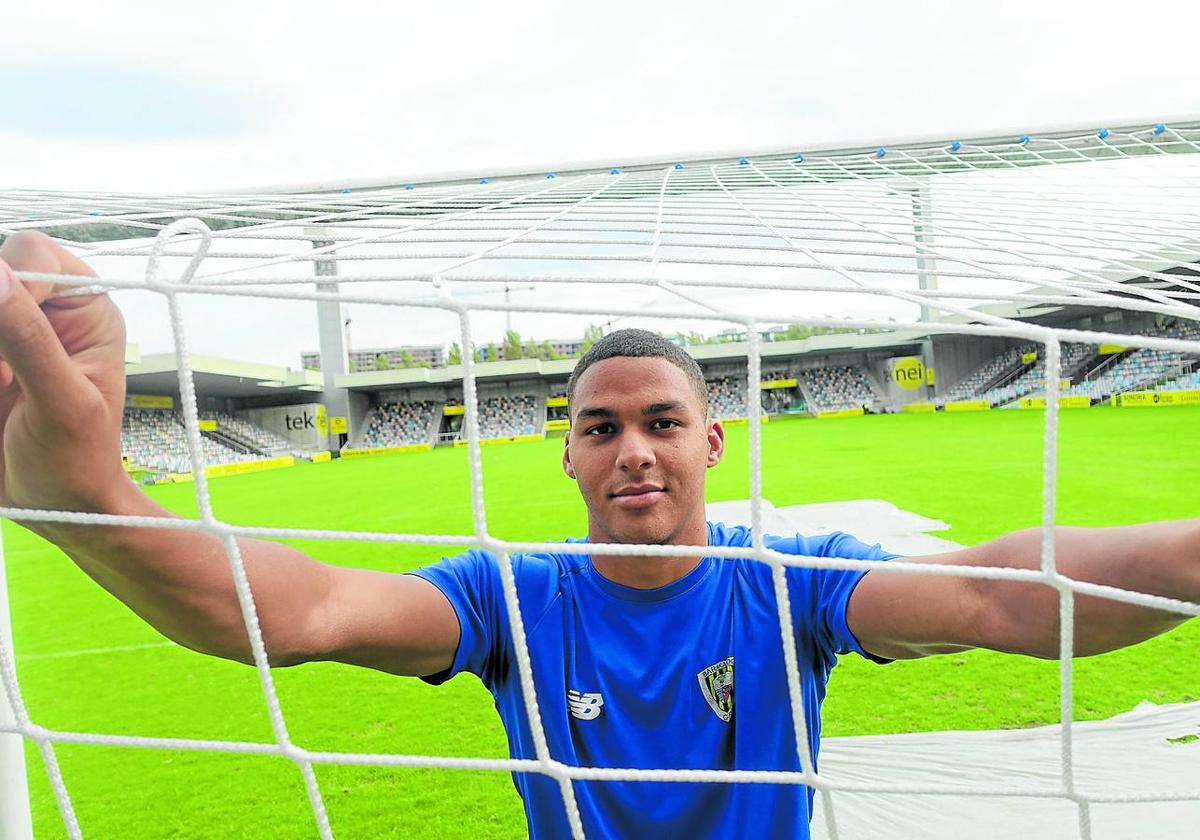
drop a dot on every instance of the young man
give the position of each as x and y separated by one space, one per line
639 661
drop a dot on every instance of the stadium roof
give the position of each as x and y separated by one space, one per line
525 368
215 377
1131 272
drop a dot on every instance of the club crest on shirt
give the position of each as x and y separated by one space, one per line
716 684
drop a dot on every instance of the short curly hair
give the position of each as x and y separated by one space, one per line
634 343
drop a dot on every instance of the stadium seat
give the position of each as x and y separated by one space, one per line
726 398
399 424
157 440
839 388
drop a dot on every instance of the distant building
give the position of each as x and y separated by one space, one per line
566 346
431 355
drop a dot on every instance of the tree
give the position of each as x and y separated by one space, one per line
406 359
591 335
512 345
795 332
455 357
549 353
492 353
382 362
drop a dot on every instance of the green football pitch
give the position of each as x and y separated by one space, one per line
88 665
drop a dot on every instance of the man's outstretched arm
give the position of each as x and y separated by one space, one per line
902 616
62 394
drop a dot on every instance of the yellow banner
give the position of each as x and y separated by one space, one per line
1152 399
918 408
339 425
1063 402
558 425
908 372
1109 349
453 410
841 412
208 425
384 450
743 421
930 377
148 401
1029 358
240 468
556 402
967 405
322 420
459 444
769 384
321 457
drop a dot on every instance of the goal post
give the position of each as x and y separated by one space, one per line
15 819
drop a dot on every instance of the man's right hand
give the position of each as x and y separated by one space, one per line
62 384
62 395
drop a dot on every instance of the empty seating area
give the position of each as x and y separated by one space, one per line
508 416
1140 369
838 388
726 398
399 424
244 430
1187 382
157 440
1033 381
975 382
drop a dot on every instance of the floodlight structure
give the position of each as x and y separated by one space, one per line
989 236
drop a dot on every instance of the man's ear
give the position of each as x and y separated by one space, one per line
716 442
566 462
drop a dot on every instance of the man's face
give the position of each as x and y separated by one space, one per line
639 445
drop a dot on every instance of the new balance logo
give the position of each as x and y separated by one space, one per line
584 706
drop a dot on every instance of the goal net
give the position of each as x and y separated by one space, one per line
995 238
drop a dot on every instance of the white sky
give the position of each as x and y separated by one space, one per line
146 96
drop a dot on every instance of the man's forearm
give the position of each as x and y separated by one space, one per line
180 581
1160 558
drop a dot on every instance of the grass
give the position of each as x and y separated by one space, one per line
979 472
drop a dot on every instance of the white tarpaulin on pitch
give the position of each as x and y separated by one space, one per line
1148 752
1130 755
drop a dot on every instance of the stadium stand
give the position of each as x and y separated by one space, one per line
508 416
399 424
977 381
726 398
1032 382
157 440
257 437
838 388
1187 382
1139 369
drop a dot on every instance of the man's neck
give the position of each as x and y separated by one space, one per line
650 571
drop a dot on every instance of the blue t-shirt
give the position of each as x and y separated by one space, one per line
689 675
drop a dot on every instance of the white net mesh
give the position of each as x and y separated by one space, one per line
970 238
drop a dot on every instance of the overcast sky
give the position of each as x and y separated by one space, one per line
148 96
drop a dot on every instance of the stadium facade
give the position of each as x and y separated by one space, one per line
253 412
